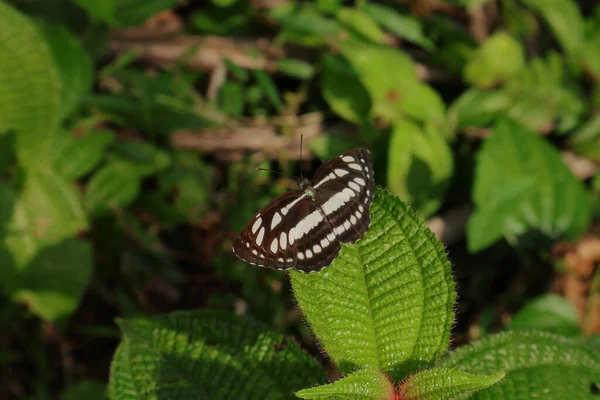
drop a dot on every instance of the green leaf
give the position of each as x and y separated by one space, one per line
405 27
477 108
208 355
523 189
146 158
116 185
537 365
73 64
550 313
268 87
367 384
420 165
295 68
498 59
124 12
101 10
343 90
75 157
30 99
445 384
48 211
51 284
564 17
390 77
362 23
85 389
385 302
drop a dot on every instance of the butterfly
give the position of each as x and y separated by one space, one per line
302 229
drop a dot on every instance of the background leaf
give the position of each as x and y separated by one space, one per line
536 364
522 185
550 313
199 354
392 292
24 53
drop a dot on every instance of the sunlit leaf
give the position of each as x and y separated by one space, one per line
387 301
367 384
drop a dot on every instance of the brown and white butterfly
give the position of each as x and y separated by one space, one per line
303 229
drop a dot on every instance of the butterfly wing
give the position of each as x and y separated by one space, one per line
345 188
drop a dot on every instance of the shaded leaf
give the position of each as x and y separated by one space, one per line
116 185
385 302
367 384
75 157
550 313
362 23
85 389
420 165
566 21
522 187
26 67
537 365
342 89
73 64
206 354
445 384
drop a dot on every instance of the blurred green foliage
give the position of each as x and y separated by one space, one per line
104 212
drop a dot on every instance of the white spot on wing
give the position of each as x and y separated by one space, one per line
348 192
322 181
324 242
254 252
261 236
340 172
300 256
355 166
309 254
276 220
274 246
353 220
336 201
307 223
360 181
317 249
348 158
256 225
292 235
283 240
354 186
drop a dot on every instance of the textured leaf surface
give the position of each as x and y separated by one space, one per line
420 165
387 301
549 313
537 365
27 67
208 355
522 185
445 384
368 384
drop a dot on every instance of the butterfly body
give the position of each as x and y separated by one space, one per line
302 229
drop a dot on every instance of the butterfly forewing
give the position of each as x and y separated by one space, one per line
303 229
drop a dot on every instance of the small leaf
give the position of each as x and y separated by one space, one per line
385 302
146 158
30 99
343 90
522 187
550 313
48 211
420 165
53 282
101 10
445 384
498 59
269 89
295 68
537 365
208 355
405 27
77 156
73 64
367 384
362 23
116 185
477 108
564 17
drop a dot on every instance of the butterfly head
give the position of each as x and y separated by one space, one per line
306 187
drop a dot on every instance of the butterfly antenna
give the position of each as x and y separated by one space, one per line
272 170
301 141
